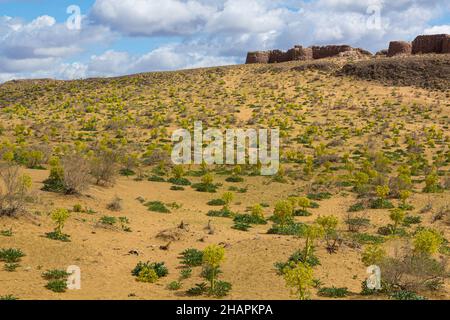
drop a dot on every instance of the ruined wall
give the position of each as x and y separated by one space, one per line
258 57
329 51
436 43
399 47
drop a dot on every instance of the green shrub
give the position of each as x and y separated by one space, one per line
6 233
365 238
11 255
198 290
205 187
58 236
216 203
192 257
107 220
357 207
174 285
157 206
159 268
234 179
381 204
8 297
221 289
291 229
185 273
224 213
176 188
55 274
58 286
11 267
406 295
333 292
241 226
155 178
410 220
319 196
180 181
249 219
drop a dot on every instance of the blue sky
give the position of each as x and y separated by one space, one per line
127 36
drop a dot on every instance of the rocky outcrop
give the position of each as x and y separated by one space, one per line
437 43
399 48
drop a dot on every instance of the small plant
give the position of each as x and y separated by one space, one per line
357 207
185 273
57 280
333 292
198 290
397 216
157 206
59 217
11 267
8 297
216 203
108 221
427 241
300 279
213 256
192 258
174 285
115 204
6 233
373 255
11 255
149 272
283 212
406 295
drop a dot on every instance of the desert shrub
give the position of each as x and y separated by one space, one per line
11 267
410 220
406 295
69 175
59 217
157 206
58 286
148 275
221 289
103 167
11 255
55 274
213 256
319 196
16 187
329 225
283 212
57 280
216 202
179 181
224 213
300 279
198 290
185 273
108 221
427 241
241 226
115 204
234 179
414 272
192 257
8 297
290 229
373 255
357 223
149 272
176 188
6 233
76 173
432 183
174 285
155 178
257 211
397 216
249 219
333 292
357 207
381 204
365 238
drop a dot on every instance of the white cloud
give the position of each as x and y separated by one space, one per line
438 29
155 17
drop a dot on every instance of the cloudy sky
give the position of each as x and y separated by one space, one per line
47 38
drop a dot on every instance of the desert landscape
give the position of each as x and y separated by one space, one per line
364 180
